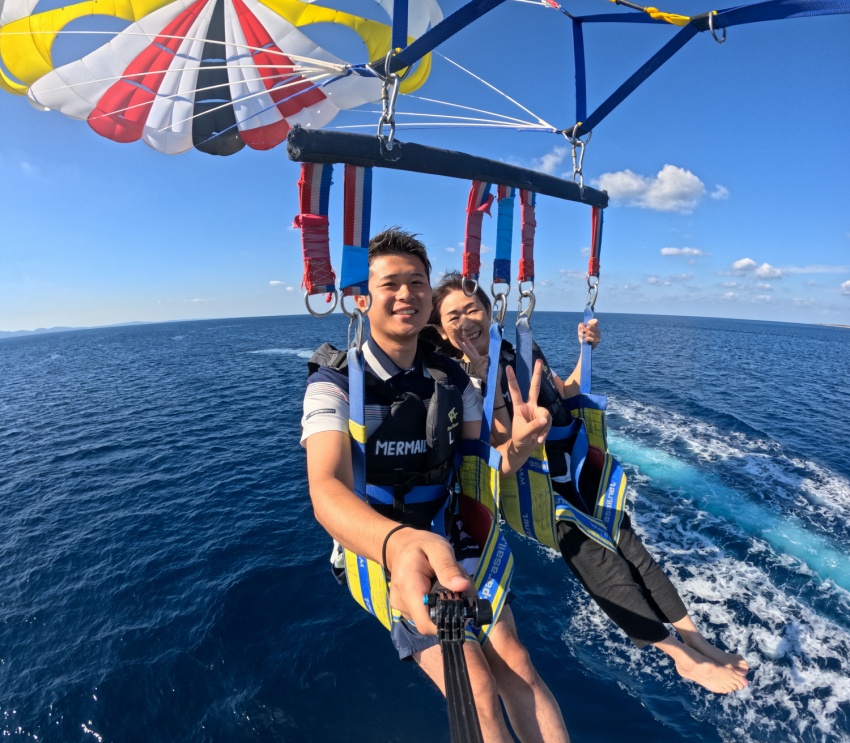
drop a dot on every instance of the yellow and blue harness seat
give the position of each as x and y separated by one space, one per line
529 503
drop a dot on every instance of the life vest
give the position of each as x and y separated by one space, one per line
411 456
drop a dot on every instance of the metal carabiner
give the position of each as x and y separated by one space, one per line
356 322
321 314
500 308
592 292
529 310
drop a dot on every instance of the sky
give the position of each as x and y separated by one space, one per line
728 172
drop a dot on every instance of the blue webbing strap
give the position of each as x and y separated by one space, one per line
504 235
356 221
357 418
773 10
492 378
524 359
581 75
399 37
447 28
619 95
586 357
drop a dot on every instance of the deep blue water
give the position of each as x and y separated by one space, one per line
162 577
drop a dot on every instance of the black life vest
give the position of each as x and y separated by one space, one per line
410 457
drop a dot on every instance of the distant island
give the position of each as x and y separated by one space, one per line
41 331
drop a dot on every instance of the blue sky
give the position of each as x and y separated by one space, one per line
729 172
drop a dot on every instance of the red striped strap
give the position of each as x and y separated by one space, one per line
314 192
595 242
478 204
529 225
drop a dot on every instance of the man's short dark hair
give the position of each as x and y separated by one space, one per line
395 241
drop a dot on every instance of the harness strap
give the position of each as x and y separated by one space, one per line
478 203
357 418
529 226
504 235
357 206
595 241
314 191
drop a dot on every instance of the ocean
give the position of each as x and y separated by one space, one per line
162 577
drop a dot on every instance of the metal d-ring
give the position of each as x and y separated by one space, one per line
321 314
474 283
356 308
722 39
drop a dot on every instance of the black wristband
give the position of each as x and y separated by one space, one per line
387 539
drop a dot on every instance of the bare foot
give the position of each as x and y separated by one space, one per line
720 679
721 658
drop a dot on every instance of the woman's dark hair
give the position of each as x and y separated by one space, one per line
453 281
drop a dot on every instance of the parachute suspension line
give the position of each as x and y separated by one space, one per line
540 121
466 108
314 191
477 205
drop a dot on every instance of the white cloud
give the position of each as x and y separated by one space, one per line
550 162
730 296
657 281
816 269
733 285
762 299
804 302
681 251
745 264
569 273
545 282
290 288
198 300
450 250
275 282
680 277
673 189
720 193
763 286
845 288
766 271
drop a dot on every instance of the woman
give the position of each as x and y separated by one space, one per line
628 585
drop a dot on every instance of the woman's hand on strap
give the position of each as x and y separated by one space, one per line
589 333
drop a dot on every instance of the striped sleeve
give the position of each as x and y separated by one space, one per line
325 404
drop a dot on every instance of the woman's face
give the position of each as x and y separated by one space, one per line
465 317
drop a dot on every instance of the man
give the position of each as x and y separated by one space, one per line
399 285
